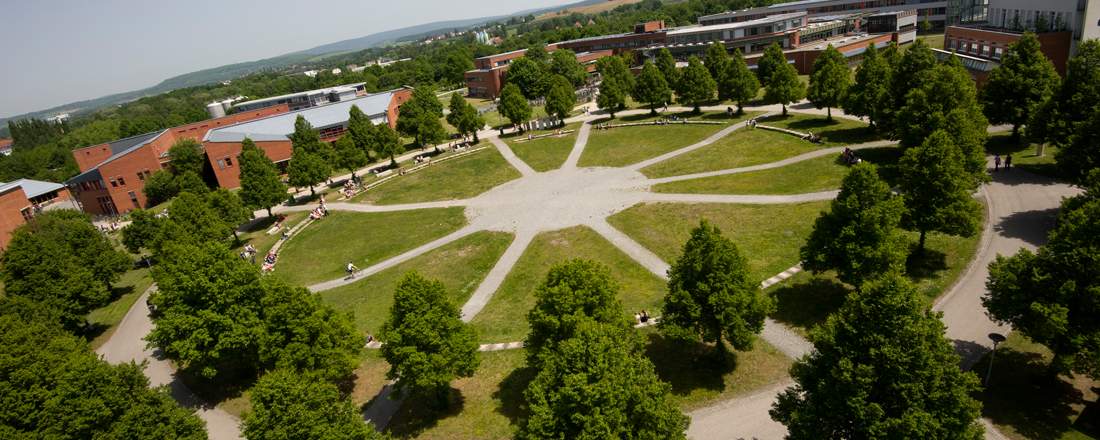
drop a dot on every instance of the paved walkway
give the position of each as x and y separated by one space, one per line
511 157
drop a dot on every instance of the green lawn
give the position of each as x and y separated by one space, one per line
835 133
460 266
504 319
627 145
769 236
485 406
257 234
126 292
321 251
1024 155
744 147
547 153
458 178
1025 402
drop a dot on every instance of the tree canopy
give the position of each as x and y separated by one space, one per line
561 99
869 94
1058 118
667 65
563 62
881 368
617 83
530 75
287 405
696 85
464 117
514 106
784 87
1016 88
186 156
420 118
572 291
261 186
739 83
829 81
651 87
937 190
769 63
1081 154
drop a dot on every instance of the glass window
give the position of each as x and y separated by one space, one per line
221 164
113 183
121 181
228 161
997 52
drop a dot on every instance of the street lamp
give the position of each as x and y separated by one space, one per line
997 338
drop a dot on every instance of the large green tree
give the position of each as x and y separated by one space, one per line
739 83
561 99
829 81
599 385
858 237
530 76
1050 295
464 117
360 129
1024 81
289 405
387 142
186 155
420 118
717 60
309 157
1058 118
514 106
1081 154
667 65
881 368
696 85
347 155
784 87
869 95
160 187
425 342
908 72
261 187
564 62
616 84
229 209
769 63
573 291
937 190
710 295
64 262
651 88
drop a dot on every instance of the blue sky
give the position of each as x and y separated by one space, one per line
59 51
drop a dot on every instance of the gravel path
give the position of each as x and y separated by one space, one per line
578 145
511 157
496 275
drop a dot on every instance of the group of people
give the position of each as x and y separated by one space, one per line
997 162
269 261
810 136
642 317
249 253
319 211
751 122
350 188
849 156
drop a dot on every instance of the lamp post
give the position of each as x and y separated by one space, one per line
997 338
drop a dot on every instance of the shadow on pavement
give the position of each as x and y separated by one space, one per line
1029 226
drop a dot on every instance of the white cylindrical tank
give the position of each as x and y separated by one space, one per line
215 110
226 105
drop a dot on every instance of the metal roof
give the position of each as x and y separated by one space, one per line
328 90
33 188
735 25
277 127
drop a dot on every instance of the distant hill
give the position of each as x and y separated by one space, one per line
233 71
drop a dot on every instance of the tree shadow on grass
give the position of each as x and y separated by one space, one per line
418 414
689 366
1022 394
924 264
209 392
809 303
510 394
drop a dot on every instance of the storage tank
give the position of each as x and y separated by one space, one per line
226 105
215 110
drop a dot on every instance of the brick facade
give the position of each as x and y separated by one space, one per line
990 44
16 208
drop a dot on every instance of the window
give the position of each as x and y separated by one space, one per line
133 198
141 176
121 181
229 161
114 183
27 214
985 50
221 164
997 52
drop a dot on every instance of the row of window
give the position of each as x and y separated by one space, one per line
225 162
982 50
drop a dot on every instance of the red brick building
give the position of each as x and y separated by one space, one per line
112 175
22 199
991 43
223 145
5 146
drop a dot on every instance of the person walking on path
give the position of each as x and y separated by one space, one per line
1008 162
996 162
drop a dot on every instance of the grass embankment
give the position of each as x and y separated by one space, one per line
546 153
627 145
504 318
125 293
458 178
321 251
1024 155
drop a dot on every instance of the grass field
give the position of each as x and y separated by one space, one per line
460 266
627 145
127 290
838 132
320 251
547 153
769 236
818 174
742 148
459 178
1024 154
1024 401
504 319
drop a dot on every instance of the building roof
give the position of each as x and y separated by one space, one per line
5 143
119 148
33 188
597 37
735 25
277 127
335 89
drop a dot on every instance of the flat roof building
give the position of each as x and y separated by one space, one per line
306 99
487 78
935 12
22 199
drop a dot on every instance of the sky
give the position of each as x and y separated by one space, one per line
60 51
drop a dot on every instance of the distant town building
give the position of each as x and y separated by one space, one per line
22 199
5 146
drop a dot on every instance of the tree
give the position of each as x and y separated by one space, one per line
651 88
858 236
142 232
1057 120
616 84
667 65
464 117
564 62
261 186
937 190
514 106
1049 295
946 99
192 183
769 63
710 296
908 73
186 156
425 342
387 142
881 368
696 85
739 84
307 169
784 87
361 131
301 333
288 405
717 61
612 97
457 63
1025 79
305 138
561 98
348 155
829 81
62 261
420 118
159 187
537 53
597 385
1082 154
191 220
530 76
229 209
573 291
869 95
